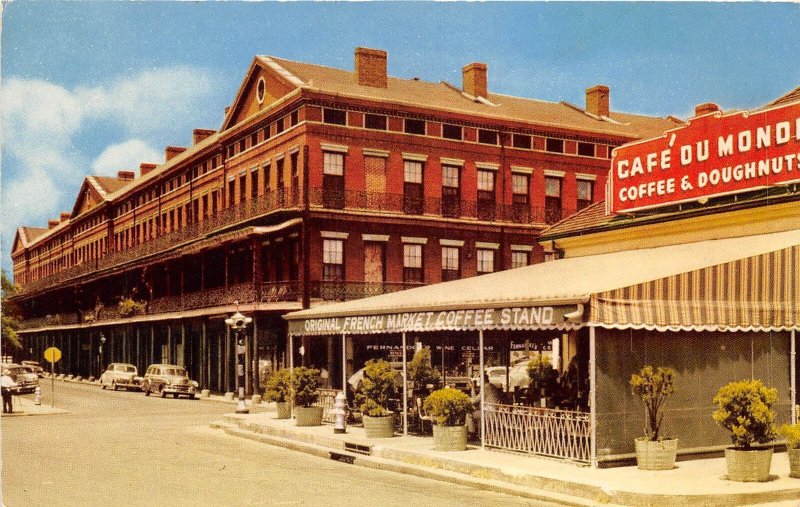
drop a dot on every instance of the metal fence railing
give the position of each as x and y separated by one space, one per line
327 397
556 433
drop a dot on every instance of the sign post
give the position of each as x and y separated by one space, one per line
53 355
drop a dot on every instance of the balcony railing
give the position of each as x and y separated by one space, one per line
345 291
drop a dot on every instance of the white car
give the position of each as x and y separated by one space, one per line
121 375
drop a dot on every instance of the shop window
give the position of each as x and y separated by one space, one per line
519 259
334 116
412 187
486 195
412 264
333 180
451 263
451 191
585 193
521 141
487 137
414 126
485 261
451 132
333 260
552 199
554 145
586 149
375 121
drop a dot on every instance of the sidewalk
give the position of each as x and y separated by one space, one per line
698 482
24 405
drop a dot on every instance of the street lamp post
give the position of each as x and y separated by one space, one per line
238 322
100 355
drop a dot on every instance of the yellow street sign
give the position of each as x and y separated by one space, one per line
52 355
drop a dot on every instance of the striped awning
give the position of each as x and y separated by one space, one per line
755 293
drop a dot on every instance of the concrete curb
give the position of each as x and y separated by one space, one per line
379 463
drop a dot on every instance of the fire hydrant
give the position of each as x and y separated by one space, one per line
340 414
37 396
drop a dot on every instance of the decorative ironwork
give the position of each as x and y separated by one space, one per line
345 291
556 433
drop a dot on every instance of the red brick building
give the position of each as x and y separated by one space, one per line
322 184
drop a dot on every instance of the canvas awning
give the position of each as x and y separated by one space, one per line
745 283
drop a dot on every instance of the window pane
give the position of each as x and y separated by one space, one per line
335 116
450 176
412 256
450 258
451 132
375 121
487 137
415 126
486 181
555 145
552 186
333 164
413 171
586 149
520 183
519 259
485 261
332 251
585 190
522 141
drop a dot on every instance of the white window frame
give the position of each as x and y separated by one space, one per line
485 259
333 163
412 171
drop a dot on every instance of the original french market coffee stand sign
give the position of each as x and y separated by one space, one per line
714 154
508 318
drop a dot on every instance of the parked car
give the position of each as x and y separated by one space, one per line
121 375
35 366
27 381
167 379
497 377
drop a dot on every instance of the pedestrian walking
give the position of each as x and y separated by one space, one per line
7 383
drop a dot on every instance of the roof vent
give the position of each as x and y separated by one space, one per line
200 134
597 100
126 175
705 108
474 79
171 151
371 67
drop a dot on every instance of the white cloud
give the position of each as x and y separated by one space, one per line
127 155
30 200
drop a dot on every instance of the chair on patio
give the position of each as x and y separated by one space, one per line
423 416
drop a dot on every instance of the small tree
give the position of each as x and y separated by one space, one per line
10 318
653 387
377 388
745 409
543 376
306 383
791 432
449 407
128 307
420 369
279 386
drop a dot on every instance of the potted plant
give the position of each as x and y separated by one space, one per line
305 387
377 388
745 409
544 381
791 432
421 372
279 390
449 408
654 386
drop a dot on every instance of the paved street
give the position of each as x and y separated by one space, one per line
120 448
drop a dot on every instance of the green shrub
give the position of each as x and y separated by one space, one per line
306 383
542 376
791 432
653 387
421 371
745 409
128 307
448 406
377 388
279 386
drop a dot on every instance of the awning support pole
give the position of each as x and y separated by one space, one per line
344 364
405 389
291 353
593 395
793 370
483 391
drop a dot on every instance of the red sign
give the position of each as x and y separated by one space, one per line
712 155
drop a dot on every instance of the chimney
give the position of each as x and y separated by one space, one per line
52 223
707 108
125 175
65 215
371 67
145 168
171 151
200 134
597 98
474 79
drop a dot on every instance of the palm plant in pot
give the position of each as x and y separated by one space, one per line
791 432
449 408
544 381
279 390
745 409
305 387
377 388
654 386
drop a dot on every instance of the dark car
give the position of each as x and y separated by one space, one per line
167 379
27 381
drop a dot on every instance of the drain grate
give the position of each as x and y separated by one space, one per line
344 458
358 448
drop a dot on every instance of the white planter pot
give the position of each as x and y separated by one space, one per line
308 416
284 409
658 455
748 466
379 427
794 462
449 438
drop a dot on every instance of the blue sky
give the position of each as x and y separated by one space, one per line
94 87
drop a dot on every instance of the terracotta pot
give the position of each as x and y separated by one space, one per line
449 438
284 409
748 466
658 455
308 416
379 427
794 462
